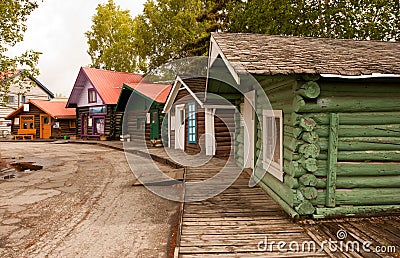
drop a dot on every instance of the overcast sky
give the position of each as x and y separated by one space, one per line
57 30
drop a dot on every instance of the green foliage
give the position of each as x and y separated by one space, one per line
351 19
111 39
14 15
164 29
214 17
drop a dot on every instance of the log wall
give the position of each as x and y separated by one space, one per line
341 144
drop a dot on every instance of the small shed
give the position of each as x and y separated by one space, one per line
95 95
336 113
139 108
43 119
197 126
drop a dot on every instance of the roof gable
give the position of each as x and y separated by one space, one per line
9 75
270 55
108 84
198 83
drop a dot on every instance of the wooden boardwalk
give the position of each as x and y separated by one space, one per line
233 223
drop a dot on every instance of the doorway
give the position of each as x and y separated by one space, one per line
180 127
154 125
45 126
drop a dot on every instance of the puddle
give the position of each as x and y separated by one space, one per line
17 169
23 166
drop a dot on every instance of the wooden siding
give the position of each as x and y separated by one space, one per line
362 170
5 111
131 126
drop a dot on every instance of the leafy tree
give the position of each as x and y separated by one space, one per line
352 19
14 14
111 39
164 29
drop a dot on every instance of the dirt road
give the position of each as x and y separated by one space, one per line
82 204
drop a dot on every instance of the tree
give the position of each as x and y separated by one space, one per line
214 17
351 19
14 14
164 29
111 39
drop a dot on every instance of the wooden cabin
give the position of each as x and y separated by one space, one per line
95 95
139 110
326 144
43 119
194 125
31 89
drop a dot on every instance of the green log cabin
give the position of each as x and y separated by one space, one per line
139 111
336 110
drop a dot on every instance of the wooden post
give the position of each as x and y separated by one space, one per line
332 160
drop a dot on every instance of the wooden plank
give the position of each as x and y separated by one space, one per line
332 161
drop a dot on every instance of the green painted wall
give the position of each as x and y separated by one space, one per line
341 144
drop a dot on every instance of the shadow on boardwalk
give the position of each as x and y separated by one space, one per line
246 222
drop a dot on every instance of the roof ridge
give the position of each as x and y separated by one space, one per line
303 37
100 69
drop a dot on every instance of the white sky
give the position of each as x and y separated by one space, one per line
56 28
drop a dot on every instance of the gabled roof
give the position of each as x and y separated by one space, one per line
55 109
199 83
269 55
108 84
8 75
152 91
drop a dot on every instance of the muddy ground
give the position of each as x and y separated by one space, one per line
81 204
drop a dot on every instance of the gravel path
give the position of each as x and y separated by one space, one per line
82 204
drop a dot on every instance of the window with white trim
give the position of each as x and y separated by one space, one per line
192 122
273 142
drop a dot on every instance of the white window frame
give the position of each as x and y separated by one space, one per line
273 167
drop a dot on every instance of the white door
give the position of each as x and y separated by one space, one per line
180 127
210 132
248 116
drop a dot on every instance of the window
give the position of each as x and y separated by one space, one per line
22 98
72 123
27 122
98 110
192 122
92 97
141 123
272 142
9 99
99 125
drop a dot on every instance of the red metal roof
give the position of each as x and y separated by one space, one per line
156 92
108 84
56 109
